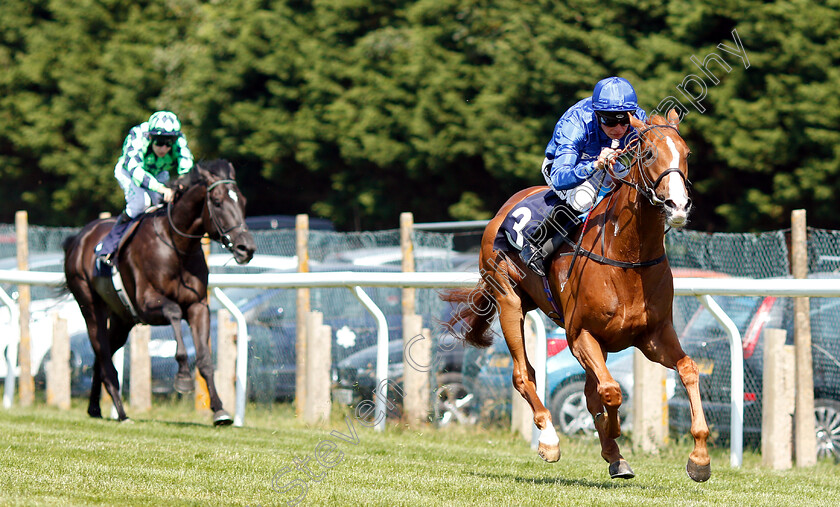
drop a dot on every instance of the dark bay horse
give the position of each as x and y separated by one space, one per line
164 275
617 293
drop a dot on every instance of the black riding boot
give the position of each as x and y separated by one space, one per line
112 240
537 248
541 244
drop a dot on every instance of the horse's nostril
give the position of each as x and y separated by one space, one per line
688 205
670 204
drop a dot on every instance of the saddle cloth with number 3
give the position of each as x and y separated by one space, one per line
523 219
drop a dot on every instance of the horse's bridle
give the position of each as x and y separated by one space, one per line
648 187
224 235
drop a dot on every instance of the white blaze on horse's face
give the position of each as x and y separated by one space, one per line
233 195
677 202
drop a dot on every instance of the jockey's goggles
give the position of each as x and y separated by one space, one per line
613 118
163 140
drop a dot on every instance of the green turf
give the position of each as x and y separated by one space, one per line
172 456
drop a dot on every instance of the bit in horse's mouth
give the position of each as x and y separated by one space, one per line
679 220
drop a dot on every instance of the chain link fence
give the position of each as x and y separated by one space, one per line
484 388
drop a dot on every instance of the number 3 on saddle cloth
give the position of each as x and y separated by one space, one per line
537 219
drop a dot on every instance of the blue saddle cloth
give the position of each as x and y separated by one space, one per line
521 222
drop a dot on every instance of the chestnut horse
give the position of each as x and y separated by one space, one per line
164 275
614 292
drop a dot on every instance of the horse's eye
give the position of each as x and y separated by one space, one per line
216 202
648 157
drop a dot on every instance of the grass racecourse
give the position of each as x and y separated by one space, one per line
172 456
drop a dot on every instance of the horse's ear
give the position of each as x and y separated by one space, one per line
637 123
195 176
674 118
232 171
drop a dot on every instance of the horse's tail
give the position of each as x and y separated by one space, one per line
67 244
474 310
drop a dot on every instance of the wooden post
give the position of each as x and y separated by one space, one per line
202 395
805 436
522 418
140 392
58 371
302 249
318 359
650 402
225 375
777 401
417 360
26 385
407 247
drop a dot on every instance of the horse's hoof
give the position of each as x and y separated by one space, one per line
550 453
221 418
621 470
96 414
698 473
184 384
127 420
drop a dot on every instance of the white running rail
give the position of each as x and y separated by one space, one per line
703 288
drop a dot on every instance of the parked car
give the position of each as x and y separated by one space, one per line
45 301
565 380
706 342
425 258
271 222
355 380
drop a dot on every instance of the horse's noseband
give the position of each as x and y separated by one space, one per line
224 235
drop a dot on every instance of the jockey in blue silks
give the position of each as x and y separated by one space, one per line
583 147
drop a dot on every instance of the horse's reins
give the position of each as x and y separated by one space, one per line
224 236
647 190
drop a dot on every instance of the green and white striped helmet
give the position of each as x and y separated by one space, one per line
164 123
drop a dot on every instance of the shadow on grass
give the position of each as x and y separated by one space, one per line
605 484
183 424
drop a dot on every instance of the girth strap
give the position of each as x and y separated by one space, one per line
116 279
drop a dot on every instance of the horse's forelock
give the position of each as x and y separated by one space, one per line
220 168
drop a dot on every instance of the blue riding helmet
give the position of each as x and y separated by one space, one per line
614 94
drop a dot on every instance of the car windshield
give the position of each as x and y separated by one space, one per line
740 309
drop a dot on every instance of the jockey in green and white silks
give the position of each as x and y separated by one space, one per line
150 151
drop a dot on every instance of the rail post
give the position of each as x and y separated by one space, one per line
303 307
805 437
26 385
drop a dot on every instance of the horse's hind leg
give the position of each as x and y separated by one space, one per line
95 392
110 340
603 394
512 319
668 352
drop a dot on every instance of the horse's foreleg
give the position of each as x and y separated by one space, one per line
603 394
511 317
183 379
199 319
668 352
